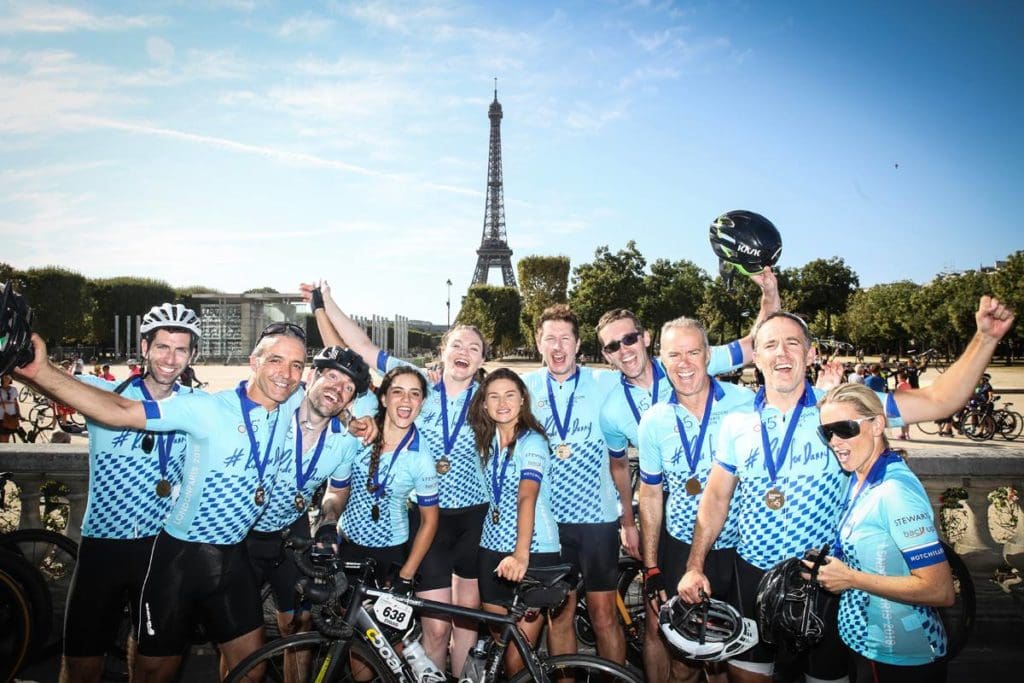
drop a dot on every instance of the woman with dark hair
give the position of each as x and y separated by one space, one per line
519 529
375 521
888 565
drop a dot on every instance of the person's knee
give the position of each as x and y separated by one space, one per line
436 630
290 622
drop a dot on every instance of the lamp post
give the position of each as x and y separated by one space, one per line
448 303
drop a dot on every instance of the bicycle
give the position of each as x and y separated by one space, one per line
1008 423
630 604
958 618
372 616
15 624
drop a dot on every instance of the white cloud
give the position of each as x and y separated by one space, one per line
160 50
306 26
41 17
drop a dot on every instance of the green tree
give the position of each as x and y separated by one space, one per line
123 296
671 289
543 281
59 299
495 310
729 314
261 290
609 281
882 318
821 286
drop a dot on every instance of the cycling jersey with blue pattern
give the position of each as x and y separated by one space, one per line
122 500
217 501
338 445
464 484
888 529
529 462
663 458
411 472
619 422
810 479
582 490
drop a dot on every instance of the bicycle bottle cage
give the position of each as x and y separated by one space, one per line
546 587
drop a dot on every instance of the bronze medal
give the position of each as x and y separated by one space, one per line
563 451
774 499
163 488
495 517
300 502
693 486
444 465
371 487
260 496
375 513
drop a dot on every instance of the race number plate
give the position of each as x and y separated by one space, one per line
391 612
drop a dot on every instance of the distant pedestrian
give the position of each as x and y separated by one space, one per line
10 411
107 375
874 381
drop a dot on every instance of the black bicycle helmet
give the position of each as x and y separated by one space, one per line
709 631
345 361
15 330
744 241
787 604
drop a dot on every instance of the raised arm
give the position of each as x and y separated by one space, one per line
105 407
951 389
770 302
349 330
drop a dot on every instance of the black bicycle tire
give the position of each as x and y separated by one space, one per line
628 573
34 586
14 604
1010 425
981 430
966 605
275 648
608 671
59 589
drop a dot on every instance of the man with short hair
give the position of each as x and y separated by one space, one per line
199 568
874 381
788 488
857 376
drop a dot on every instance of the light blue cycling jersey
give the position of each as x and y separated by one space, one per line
408 469
123 501
623 409
528 462
300 478
460 479
218 501
582 490
808 486
664 458
887 528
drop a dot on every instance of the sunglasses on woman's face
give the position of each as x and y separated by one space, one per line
627 340
844 429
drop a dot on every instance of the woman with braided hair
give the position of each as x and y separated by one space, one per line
373 490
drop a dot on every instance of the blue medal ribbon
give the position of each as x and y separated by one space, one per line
773 465
301 477
692 458
562 427
388 477
626 389
254 449
449 439
498 484
163 445
875 474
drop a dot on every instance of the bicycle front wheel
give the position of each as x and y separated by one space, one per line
319 653
15 626
581 668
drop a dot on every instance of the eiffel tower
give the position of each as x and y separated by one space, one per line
494 251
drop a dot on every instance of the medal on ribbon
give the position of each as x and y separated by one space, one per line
563 450
693 486
379 484
302 476
260 496
449 437
774 499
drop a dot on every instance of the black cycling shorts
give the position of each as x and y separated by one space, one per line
108 575
273 564
593 551
495 591
387 559
196 583
719 566
455 546
828 660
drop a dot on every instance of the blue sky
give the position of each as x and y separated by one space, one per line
243 143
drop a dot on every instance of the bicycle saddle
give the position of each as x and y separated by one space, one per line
548 576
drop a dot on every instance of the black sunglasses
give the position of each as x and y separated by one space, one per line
148 441
627 340
844 429
283 328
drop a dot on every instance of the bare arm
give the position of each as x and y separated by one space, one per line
711 514
513 568
429 516
770 302
105 407
652 509
348 329
950 390
630 536
931 586
327 331
334 501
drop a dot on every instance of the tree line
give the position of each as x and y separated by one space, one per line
895 318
